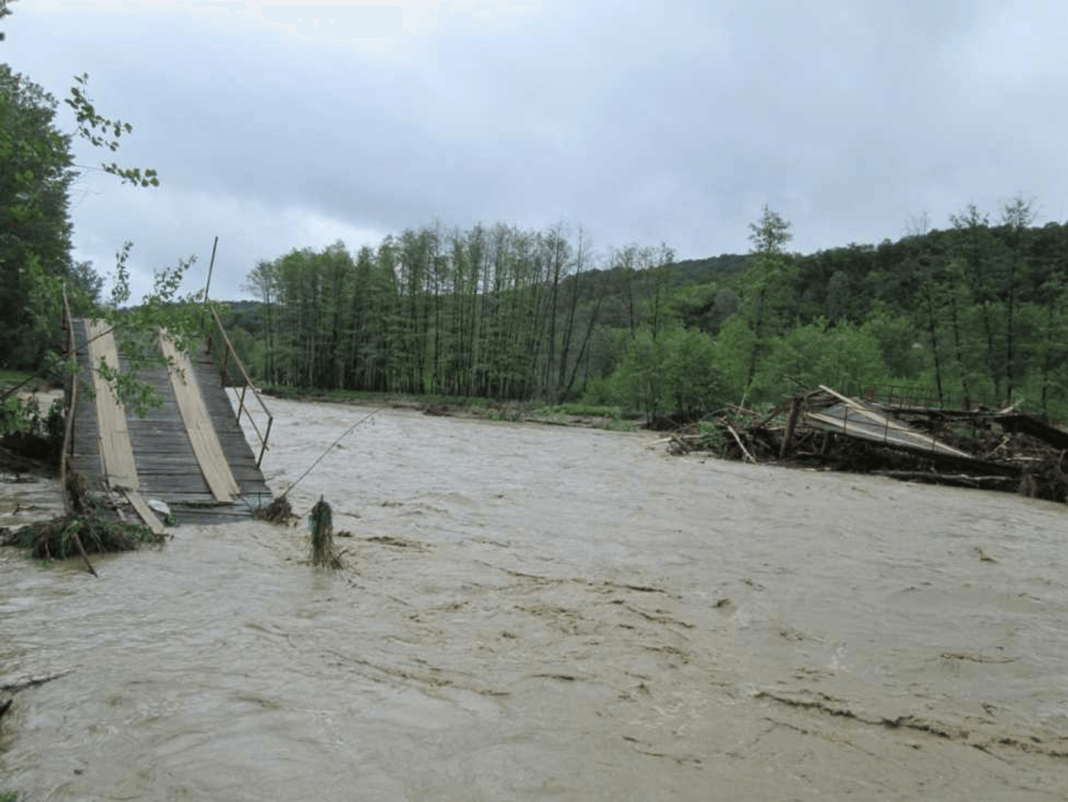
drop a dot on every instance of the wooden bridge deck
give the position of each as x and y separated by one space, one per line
166 464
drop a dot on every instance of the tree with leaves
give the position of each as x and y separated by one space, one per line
1017 216
102 132
975 245
36 173
767 283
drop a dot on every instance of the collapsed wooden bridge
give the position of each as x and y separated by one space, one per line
189 452
1003 449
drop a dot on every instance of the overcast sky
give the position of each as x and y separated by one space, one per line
278 126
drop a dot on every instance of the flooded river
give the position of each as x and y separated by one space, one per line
543 613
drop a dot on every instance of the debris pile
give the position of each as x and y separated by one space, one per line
278 511
87 528
999 450
58 538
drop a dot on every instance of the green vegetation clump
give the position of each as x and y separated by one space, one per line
18 416
586 413
321 525
710 437
283 391
8 379
55 539
340 394
89 527
580 409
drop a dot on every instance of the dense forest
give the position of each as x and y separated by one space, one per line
975 313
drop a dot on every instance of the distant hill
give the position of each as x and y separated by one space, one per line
699 271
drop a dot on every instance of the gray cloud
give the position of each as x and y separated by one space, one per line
671 122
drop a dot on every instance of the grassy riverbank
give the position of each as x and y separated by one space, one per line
9 378
568 414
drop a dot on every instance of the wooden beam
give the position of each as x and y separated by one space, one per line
791 422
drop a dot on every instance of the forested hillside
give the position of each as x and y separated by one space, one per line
975 313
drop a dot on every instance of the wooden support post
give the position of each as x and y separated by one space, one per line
791 422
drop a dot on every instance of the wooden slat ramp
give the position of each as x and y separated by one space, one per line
189 452
116 452
198 425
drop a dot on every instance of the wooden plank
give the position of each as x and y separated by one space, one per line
198 423
170 458
166 485
151 476
222 412
189 476
165 461
207 501
143 510
163 483
116 451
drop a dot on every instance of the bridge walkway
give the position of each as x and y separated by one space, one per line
189 453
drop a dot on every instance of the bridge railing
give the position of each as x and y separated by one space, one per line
246 384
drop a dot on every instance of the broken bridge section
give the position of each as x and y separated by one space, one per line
1005 449
189 453
853 418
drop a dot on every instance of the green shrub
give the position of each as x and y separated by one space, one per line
711 437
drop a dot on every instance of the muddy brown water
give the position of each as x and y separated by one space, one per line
541 613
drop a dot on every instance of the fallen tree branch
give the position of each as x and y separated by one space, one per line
81 549
948 478
738 440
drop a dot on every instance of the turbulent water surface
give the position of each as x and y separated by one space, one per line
545 613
